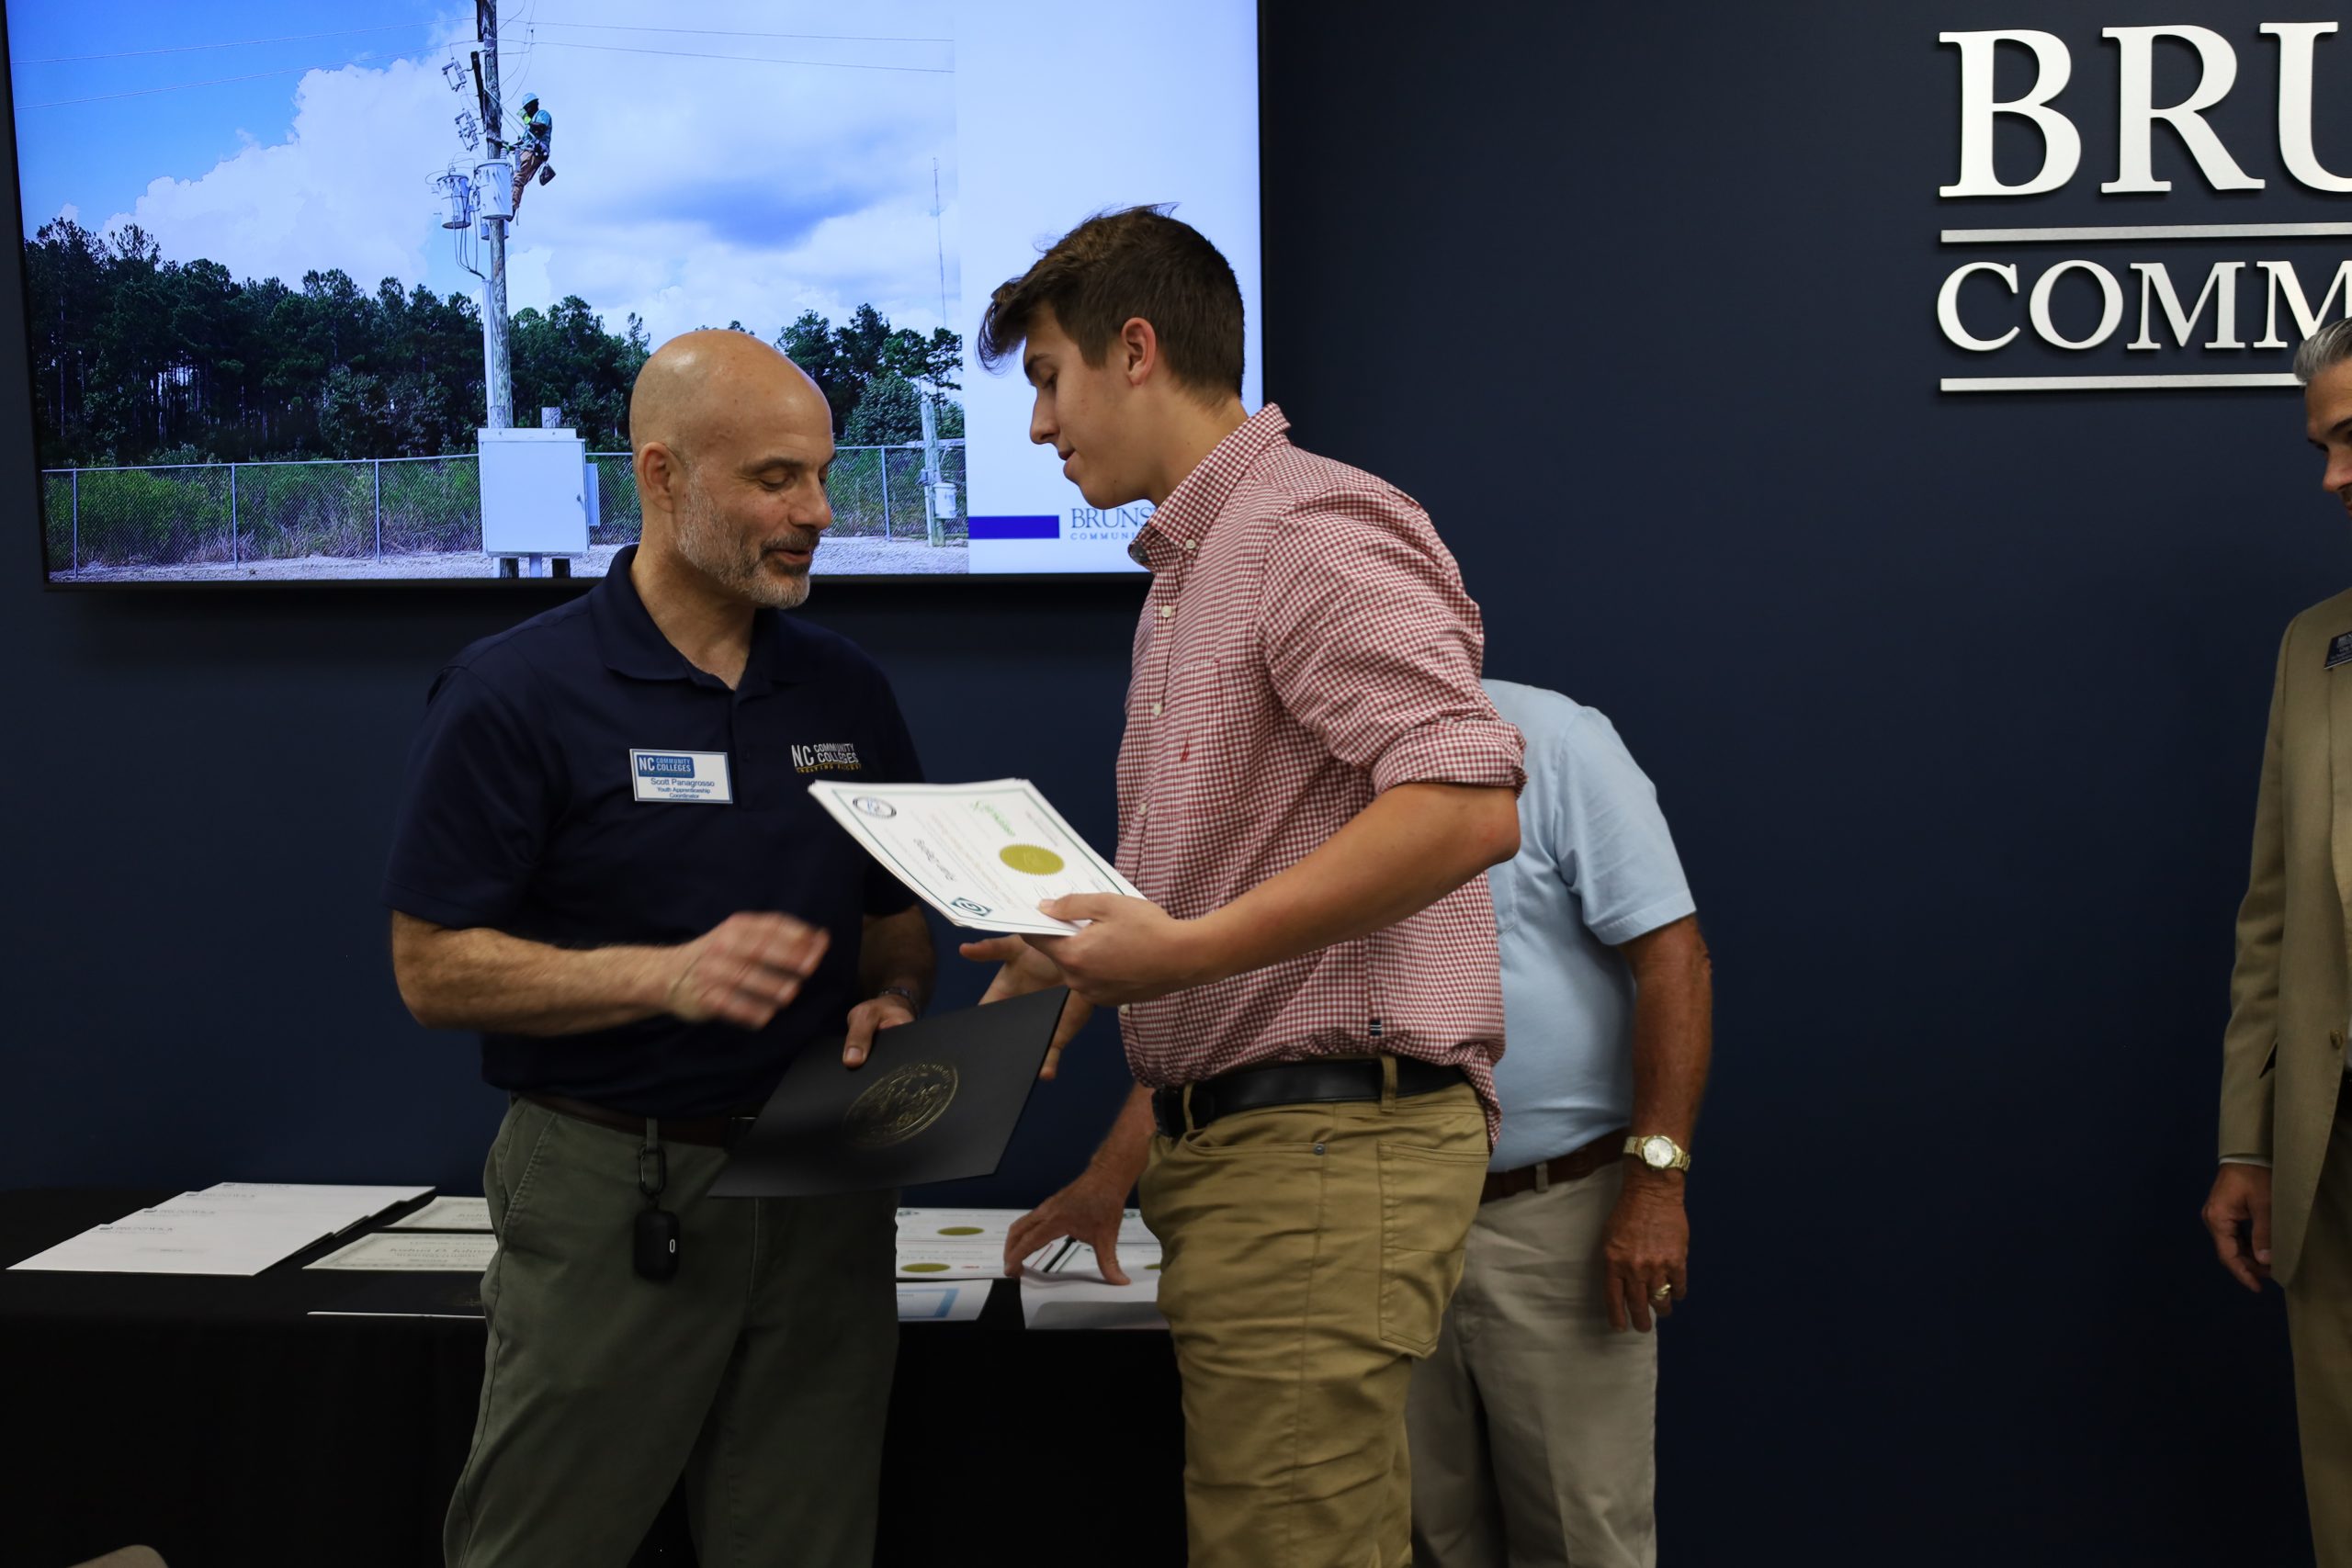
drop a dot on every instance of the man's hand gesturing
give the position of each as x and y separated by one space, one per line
744 969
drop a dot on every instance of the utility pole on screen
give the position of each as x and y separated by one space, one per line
497 385
927 391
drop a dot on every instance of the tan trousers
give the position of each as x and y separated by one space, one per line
525 167
1533 1425
2319 1325
1308 1253
761 1371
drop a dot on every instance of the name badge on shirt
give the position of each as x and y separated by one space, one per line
2340 651
692 776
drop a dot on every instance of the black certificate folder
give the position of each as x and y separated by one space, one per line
936 1100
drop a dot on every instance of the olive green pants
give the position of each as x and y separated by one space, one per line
760 1373
1308 1254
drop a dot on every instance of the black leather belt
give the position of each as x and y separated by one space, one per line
1293 1083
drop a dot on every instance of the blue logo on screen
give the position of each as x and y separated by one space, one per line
666 767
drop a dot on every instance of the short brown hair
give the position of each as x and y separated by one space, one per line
1114 267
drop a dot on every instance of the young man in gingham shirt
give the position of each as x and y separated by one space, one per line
1310 786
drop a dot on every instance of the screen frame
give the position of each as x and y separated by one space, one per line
549 590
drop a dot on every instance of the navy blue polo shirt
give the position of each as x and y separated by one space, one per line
521 814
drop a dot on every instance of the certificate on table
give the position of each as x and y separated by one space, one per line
181 1241
981 855
945 1301
1086 1300
415 1252
446 1214
953 1243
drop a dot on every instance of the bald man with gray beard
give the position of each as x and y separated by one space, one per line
608 865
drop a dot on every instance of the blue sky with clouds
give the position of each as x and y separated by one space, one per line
793 170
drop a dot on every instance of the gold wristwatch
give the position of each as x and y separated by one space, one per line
1657 1151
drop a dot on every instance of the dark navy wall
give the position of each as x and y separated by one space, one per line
1955 704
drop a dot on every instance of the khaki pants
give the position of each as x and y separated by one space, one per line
525 167
1309 1250
761 1371
2319 1325
1533 1423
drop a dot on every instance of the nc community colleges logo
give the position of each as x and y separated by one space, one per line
826 757
654 765
2190 295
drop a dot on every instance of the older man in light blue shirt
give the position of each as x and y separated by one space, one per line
1532 1425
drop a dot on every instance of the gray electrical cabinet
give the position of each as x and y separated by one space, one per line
536 498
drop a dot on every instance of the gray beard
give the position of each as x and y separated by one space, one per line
709 546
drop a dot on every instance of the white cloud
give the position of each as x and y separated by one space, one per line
689 191
346 188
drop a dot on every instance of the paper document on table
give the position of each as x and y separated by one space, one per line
953 1244
1062 1286
446 1214
230 1227
343 1205
421 1252
1075 1300
155 1241
981 855
944 1300
1139 1250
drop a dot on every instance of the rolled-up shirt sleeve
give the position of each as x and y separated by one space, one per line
1373 645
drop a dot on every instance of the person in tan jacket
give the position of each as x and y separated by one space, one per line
2281 1205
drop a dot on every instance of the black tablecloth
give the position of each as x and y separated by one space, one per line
215 1420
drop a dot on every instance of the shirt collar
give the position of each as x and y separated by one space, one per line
1182 521
633 646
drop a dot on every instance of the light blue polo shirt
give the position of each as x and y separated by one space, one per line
1596 868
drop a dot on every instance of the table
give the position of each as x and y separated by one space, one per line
215 1420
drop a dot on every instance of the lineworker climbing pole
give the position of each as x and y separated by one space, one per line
539 140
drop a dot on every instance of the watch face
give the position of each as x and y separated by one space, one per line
1658 1153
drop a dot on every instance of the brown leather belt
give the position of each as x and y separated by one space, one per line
710 1132
1574 1165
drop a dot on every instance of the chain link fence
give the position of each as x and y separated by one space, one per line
195 514
878 491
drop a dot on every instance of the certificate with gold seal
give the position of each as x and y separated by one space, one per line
984 855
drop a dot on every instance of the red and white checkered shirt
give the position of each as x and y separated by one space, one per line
1307 644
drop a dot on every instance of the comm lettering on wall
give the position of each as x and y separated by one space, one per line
2139 301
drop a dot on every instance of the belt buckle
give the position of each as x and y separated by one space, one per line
1168 1112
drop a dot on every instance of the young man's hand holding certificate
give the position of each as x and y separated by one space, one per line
984 855
996 857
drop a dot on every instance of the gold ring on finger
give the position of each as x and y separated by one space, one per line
1663 1292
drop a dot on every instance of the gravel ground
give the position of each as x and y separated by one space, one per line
836 557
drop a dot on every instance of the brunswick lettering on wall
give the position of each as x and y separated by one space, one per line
2080 289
